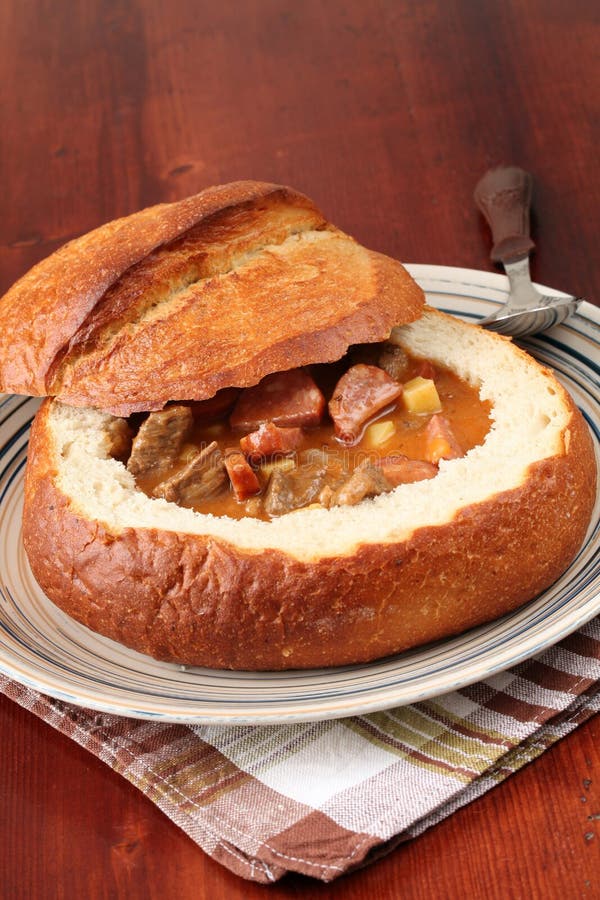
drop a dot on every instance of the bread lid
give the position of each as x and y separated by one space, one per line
182 299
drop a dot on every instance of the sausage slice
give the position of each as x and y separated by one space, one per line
216 407
269 440
359 394
243 478
402 470
288 399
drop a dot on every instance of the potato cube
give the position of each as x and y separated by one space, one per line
379 433
421 397
284 465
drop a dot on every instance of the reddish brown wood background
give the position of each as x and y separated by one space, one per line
386 112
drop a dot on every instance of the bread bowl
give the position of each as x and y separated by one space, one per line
315 586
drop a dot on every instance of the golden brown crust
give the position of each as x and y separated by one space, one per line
57 294
180 300
202 601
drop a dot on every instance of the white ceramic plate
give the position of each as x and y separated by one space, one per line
43 648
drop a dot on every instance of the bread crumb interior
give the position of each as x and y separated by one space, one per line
530 412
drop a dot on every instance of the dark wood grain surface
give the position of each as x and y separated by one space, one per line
386 113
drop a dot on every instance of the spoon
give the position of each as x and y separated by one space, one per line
504 197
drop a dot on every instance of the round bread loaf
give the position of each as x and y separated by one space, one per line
320 587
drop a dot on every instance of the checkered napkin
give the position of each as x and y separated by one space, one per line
325 797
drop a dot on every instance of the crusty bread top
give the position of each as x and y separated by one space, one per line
532 418
182 299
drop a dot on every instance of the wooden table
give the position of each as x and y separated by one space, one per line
386 112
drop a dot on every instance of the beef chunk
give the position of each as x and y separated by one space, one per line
279 498
158 443
293 489
367 480
387 356
394 361
119 439
201 479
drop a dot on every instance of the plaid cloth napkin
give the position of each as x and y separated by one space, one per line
325 797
